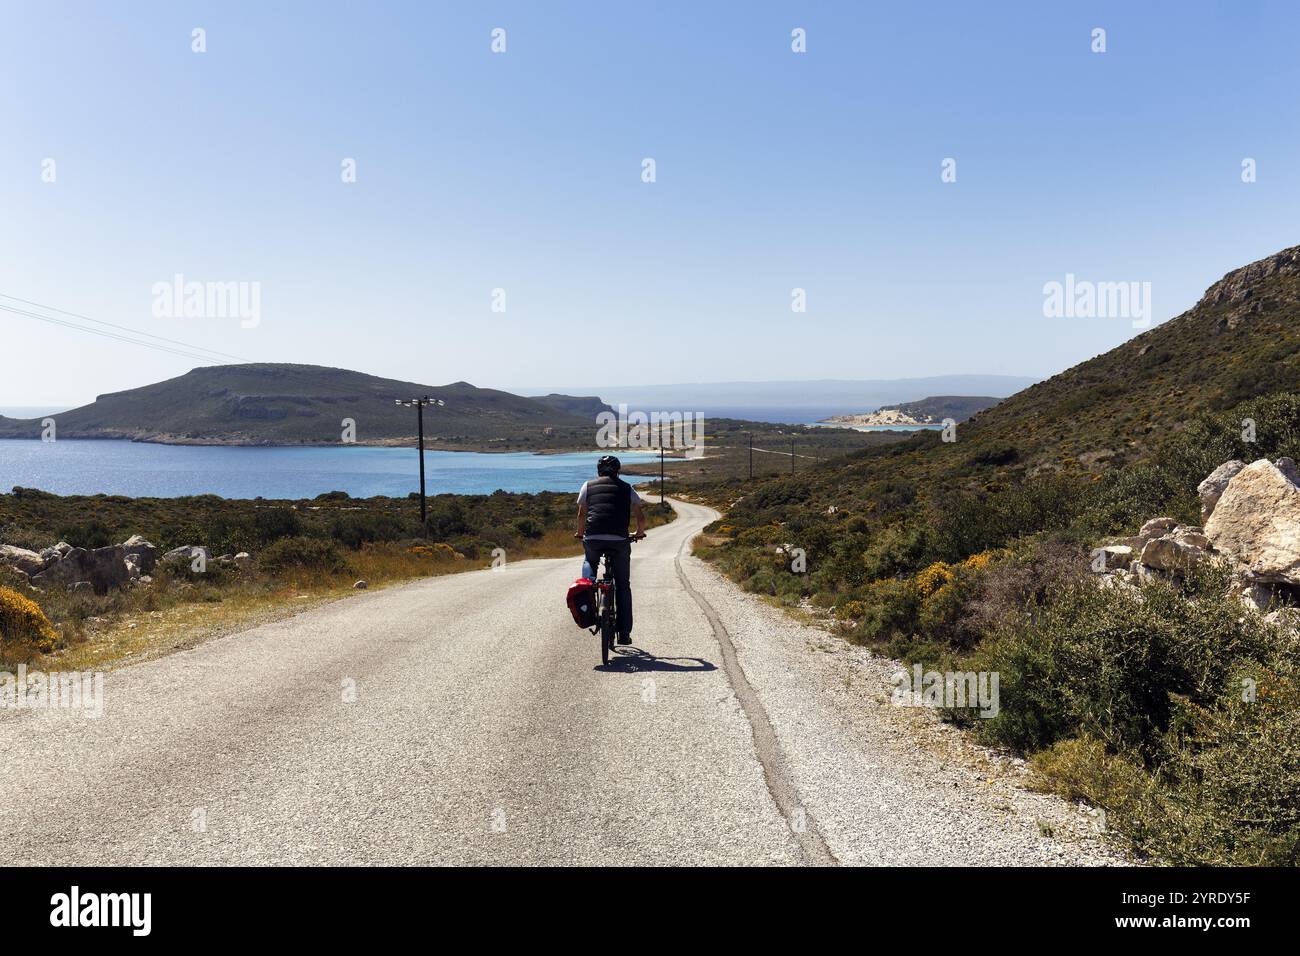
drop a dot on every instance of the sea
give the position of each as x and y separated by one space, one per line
141 469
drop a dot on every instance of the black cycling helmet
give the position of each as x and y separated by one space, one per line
608 465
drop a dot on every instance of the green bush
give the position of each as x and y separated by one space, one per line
1138 701
528 527
312 554
86 534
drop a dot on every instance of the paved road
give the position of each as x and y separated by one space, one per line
465 719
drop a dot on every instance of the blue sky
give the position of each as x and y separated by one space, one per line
522 171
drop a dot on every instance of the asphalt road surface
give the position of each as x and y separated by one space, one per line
465 719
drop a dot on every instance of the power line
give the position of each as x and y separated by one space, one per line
86 318
108 335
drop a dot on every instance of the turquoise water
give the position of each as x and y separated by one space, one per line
74 467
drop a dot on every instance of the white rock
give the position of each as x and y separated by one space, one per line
1211 489
1170 554
1157 527
1257 522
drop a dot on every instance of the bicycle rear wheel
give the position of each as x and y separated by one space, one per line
607 625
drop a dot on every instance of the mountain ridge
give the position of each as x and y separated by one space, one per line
264 403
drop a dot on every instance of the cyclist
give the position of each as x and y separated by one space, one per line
604 506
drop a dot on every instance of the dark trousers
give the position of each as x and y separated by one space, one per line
618 555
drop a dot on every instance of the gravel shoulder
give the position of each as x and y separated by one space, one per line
889 785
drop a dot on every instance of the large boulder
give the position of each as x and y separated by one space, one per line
186 555
1211 489
102 568
1157 527
28 562
1112 557
1257 522
1171 554
144 553
56 552
1188 534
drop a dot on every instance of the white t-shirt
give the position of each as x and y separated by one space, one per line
633 500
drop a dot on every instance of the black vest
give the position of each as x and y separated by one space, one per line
609 505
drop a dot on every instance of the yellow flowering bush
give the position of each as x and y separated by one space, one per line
22 621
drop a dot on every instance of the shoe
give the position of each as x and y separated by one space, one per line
625 638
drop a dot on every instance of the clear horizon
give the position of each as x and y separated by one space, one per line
136 160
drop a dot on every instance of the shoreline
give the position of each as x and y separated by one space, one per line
429 445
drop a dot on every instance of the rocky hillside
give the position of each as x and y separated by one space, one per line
279 404
1241 340
1170 696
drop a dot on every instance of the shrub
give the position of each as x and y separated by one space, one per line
889 609
1108 662
355 529
528 527
23 622
88 534
313 554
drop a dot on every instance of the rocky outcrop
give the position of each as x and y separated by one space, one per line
28 562
1257 522
1239 294
145 555
186 553
1211 489
1253 530
102 569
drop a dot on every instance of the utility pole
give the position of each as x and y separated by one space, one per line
751 456
661 463
419 404
792 456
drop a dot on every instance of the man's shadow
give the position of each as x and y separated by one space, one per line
629 659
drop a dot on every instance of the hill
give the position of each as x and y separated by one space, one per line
1241 340
283 404
977 555
938 407
583 406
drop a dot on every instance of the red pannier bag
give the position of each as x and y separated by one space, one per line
582 602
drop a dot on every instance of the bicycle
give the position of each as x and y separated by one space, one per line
607 605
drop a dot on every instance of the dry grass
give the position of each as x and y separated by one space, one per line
178 611
174 613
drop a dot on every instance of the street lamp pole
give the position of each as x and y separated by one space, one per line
419 404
